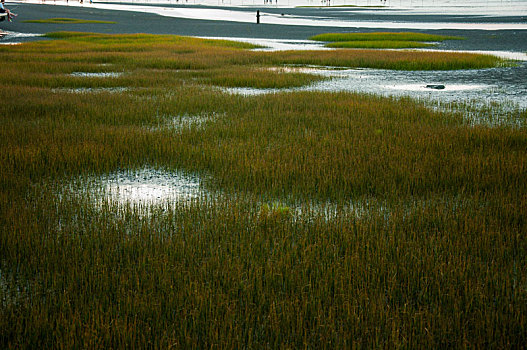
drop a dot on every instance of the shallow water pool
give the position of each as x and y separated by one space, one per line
505 86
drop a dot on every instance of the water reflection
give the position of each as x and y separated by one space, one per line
150 186
96 75
505 85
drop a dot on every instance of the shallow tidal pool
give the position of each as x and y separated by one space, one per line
486 86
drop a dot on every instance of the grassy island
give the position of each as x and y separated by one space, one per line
381 40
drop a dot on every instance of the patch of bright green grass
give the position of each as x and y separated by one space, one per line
381 44
67 21
148 39
402 40
176 52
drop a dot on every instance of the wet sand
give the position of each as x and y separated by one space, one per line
136 22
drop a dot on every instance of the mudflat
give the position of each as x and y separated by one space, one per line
138 22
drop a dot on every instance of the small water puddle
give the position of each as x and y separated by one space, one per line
97 75
92 90
11 290
360 209
140 190
149 186
328 211
181 122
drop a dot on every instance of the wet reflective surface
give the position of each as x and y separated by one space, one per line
14 38
507 85
96 75
149 186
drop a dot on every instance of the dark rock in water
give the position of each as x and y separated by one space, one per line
435 86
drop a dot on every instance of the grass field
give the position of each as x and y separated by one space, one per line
381 40
384 44
425 245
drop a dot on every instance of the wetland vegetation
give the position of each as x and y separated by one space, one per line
382 40
431 252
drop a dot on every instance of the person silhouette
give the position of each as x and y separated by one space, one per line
9 14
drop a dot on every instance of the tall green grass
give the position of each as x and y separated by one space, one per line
384 44
439 262
174 52
383 36
402 40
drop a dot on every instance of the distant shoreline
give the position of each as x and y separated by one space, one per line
137 22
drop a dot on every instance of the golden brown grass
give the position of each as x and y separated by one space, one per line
383 36
381 40
438 262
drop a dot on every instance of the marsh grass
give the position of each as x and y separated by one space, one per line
181 122
255 78
437 259
490 114
174 52
383 36
275 211
384 44
398 60
404 40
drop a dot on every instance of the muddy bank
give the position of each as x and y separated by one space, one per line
137 22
